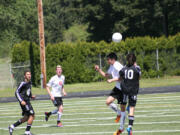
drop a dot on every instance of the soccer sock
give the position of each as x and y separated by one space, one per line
28 127
114 107
16 124
131 120
122 120
54 112
59 116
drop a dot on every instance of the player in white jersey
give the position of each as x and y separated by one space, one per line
116 93
56 83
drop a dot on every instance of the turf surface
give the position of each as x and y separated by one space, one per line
95 86
156 114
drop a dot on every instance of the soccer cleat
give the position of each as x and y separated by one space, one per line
117 118
118 132
28 133
129 130
46 116
59 124
10 130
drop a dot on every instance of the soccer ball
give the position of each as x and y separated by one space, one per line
117 37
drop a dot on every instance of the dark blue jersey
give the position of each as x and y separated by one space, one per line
130 79
23 92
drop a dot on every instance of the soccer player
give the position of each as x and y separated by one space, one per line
23 94
57 85
129 77
116 93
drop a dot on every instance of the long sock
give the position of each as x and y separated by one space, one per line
54 111
16 124
122 120
114 107
28 127
59 116
131 120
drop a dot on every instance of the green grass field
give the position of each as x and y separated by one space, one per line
83 87
156 114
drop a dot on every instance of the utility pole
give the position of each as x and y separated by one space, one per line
42 43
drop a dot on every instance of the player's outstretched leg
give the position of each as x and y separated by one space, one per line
29 124
48 114
16 124
113 106
10 130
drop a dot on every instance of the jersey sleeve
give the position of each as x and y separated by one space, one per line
50 83
18 90
118 67
63 80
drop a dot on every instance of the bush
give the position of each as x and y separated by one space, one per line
78 58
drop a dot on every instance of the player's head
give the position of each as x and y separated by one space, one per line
111 58
58 70
131 59
27 75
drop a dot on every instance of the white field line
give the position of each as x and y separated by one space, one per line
95 113
107 109
102 133
89 104
170 105
91 101
108 124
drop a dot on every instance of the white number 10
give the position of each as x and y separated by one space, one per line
129 74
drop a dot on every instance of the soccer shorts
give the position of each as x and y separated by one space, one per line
27 109
118 94
132 100
58 101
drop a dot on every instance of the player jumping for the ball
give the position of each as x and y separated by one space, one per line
116 93
57 85
129 77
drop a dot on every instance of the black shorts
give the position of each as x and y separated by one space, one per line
58 101
118 94
132 99
27 109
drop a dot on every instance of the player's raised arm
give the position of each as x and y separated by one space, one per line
101 72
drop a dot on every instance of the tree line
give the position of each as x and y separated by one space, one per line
72 20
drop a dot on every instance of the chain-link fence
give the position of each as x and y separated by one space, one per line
6 80
17 70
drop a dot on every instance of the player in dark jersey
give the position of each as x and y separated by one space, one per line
23 94
129 77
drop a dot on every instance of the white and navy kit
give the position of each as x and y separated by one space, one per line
57 83
23 93
114 72
130 82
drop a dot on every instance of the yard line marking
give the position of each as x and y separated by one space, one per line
141 116
107 110
68 100
168 104
90 133
108 124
